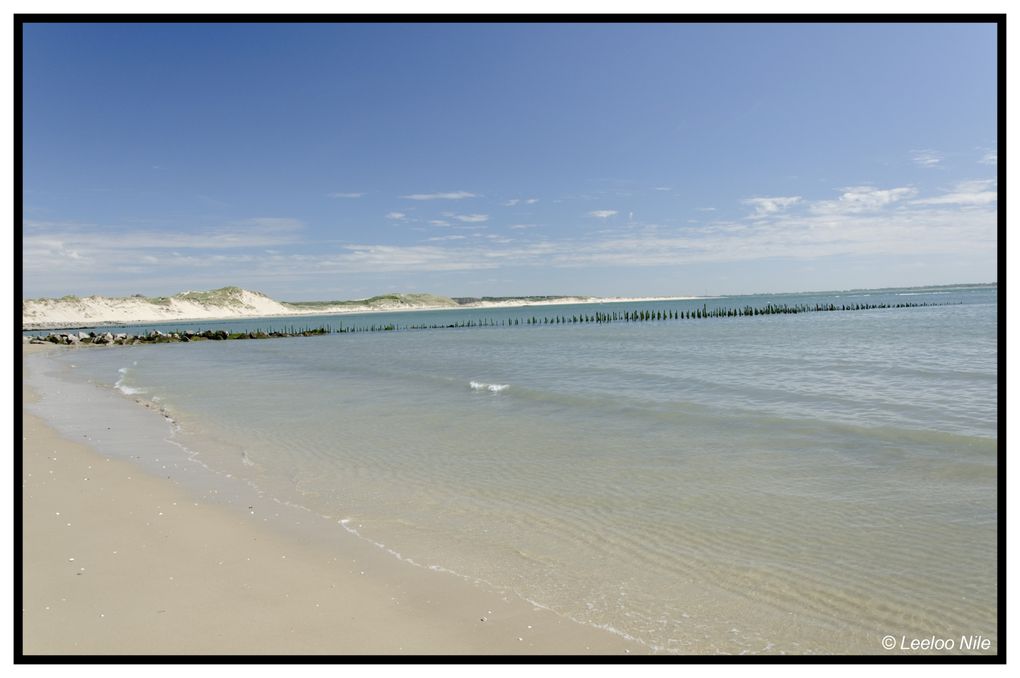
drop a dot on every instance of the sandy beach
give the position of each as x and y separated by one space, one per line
117 560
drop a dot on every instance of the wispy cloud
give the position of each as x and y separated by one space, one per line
809 234
472 218
863 199
453 195
865 221
990 158
764 206
531 201
345 195
87 256
256 232
975 192
926 158
602 214
511 202
396 216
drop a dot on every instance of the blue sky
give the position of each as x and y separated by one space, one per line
341 161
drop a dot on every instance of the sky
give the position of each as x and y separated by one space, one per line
332 161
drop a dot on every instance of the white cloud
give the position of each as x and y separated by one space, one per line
990 158
663 188
345 195
763 206
927 158
807 236
257 232
384 258
472 218
862 199
706 209
454 195
511 202
976 192
439 222
858 221
83 257
396 215
531 201
602 214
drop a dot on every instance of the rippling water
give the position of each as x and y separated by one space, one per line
799 483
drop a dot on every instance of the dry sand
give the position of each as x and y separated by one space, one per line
117 561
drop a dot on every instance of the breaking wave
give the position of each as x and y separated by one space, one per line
120 386
496 388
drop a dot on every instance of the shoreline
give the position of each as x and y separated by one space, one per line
118 560
564 301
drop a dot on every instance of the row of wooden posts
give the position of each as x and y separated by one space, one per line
630 316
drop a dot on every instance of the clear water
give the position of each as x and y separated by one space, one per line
802 483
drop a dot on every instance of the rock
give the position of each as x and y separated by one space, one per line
37 340
83 335
71 339
25 339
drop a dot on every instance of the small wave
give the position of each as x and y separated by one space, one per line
126 390
495 388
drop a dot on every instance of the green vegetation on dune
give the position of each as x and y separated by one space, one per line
405 299
223 295
474 300
231 297
218 297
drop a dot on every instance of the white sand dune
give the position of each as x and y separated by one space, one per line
235 302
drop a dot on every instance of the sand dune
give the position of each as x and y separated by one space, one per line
235 302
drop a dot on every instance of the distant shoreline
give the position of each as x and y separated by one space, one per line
234 303
139 319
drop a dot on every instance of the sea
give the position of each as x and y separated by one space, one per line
807 483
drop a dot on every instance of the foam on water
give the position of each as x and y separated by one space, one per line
124 388
495 388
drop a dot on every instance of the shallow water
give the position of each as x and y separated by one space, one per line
802 483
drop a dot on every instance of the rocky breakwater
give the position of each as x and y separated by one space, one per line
157 337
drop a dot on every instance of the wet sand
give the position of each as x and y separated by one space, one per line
117 560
